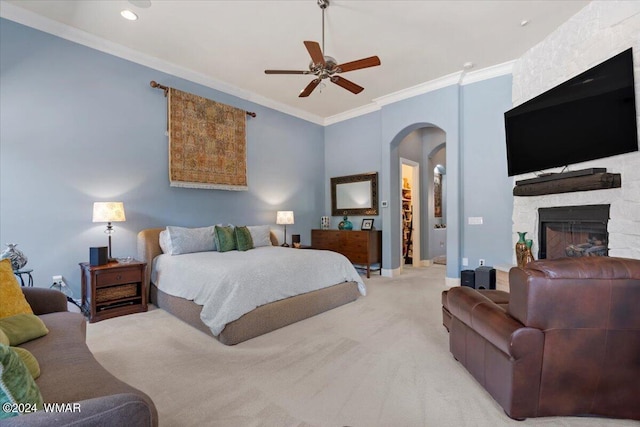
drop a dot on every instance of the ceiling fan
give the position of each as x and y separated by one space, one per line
326 67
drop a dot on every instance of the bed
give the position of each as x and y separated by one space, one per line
264 317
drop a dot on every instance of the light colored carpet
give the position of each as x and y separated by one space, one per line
380 361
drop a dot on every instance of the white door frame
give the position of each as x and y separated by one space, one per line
415 202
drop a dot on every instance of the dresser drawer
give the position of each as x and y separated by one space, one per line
118 277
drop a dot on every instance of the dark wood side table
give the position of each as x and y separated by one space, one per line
113 289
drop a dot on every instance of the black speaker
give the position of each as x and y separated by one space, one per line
98 255
485 278
468 278
295 238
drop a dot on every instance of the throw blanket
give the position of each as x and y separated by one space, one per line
230 284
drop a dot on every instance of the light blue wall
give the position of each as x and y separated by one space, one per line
438 108
352 147
487 190
468 117
78 126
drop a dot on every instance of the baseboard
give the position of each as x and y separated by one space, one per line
390 272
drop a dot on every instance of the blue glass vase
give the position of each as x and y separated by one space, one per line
345 224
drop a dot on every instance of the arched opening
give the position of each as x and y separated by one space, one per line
422 145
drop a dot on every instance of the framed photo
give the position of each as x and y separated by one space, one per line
367 224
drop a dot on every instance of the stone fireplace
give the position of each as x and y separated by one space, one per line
594 34
573 231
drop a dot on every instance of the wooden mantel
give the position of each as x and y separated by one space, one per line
569 184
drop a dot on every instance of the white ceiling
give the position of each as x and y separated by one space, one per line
229 44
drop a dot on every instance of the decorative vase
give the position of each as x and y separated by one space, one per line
345 224
16 256
521 249
528 255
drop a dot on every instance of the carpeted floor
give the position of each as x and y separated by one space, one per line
380 361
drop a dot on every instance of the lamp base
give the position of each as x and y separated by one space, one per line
285 245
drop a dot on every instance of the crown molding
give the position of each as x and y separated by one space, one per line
488 73
350 114
420 89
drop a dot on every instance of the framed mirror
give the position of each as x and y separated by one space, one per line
355 194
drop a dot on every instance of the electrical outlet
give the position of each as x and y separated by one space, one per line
481 262
465 262
57 279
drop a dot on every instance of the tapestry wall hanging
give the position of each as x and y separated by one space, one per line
207 143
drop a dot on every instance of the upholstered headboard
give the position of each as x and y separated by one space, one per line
149 248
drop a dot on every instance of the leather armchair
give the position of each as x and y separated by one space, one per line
567 343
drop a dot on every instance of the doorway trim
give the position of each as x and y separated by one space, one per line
416 235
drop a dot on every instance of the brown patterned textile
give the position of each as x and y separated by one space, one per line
207 143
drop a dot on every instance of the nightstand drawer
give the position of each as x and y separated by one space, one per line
107 278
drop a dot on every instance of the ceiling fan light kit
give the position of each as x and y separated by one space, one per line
326 67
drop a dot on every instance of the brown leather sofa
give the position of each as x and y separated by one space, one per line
567 342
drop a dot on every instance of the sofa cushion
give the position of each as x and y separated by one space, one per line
29 361
16 384
22 328
12 300
4 339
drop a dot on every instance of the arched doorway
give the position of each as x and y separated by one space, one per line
424 145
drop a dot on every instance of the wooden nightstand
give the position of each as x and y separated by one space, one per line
113 289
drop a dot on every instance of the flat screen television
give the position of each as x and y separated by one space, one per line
589 117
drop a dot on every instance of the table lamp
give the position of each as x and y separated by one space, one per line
108 212
284 218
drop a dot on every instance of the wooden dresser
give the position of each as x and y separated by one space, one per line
360 247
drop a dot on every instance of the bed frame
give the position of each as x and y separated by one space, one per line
263 319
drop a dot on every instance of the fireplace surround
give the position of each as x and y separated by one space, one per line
573 231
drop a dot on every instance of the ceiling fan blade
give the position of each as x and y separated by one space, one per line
348 85
285 72
371 61
310 87
316 53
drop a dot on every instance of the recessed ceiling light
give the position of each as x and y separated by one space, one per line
524 22
127 14
467 65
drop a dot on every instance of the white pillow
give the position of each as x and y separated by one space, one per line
260 234
188 240
165 242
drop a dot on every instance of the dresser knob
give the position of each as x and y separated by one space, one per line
119 276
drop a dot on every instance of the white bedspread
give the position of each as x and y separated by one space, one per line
230 284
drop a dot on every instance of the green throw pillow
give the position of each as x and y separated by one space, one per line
22 328
18 390
244 241
225 239
4 339
29 361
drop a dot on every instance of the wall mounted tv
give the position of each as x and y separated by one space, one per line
589 117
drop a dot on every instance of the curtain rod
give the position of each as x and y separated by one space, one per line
157 85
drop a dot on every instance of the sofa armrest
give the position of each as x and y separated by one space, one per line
44 301
505 332
492 323
118 410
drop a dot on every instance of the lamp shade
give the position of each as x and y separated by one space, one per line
108 212
284 217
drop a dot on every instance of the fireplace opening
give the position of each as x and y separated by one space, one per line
573 231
